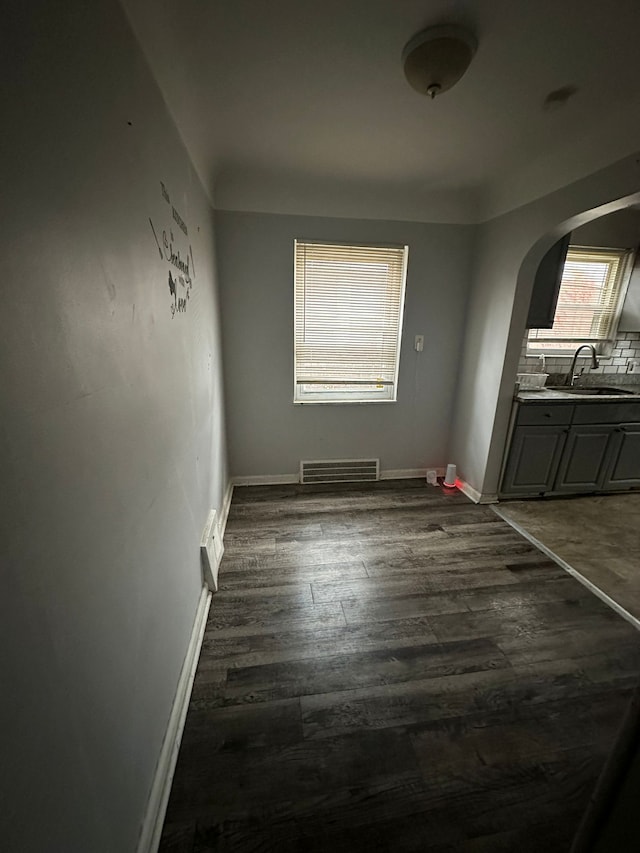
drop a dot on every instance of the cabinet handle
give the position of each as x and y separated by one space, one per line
547 414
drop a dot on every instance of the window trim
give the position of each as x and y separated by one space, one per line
603 346
341 396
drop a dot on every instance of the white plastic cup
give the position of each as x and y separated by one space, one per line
450 476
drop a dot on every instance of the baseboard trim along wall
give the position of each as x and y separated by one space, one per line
288 479
408 473
267 480
224 509
474 495
159 797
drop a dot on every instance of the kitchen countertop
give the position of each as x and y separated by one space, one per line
547 395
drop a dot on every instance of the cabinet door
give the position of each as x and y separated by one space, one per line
623 472
630 318
533 459
546 286
584 462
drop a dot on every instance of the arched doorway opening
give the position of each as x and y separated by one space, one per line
527 269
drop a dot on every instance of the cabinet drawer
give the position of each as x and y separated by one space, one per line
555 414
606 413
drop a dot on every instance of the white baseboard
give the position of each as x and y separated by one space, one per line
224 509
161 786
408 473
288 479
469 491
267 480
474 495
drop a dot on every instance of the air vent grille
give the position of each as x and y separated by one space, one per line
339 470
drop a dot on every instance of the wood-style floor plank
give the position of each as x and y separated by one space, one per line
236 617
256 579
414 580
345 672
409 703
388 667
309 641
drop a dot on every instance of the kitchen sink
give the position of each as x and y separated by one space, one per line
592 390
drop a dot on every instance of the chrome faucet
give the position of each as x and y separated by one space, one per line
572 375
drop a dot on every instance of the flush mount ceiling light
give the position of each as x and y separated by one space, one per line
436 58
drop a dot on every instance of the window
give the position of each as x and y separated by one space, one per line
589 302
348 321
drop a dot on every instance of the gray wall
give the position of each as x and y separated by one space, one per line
269 435
111 429
619 230
509 250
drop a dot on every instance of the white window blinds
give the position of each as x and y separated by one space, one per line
588 302
348 321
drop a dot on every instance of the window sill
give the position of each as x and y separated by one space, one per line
342 402
602 351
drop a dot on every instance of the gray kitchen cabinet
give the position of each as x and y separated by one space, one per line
559 448
623 470
585 459
546 286
630 318
533 459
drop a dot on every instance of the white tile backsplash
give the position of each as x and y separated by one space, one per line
626 348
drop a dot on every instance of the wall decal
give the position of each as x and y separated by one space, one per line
180 296
179 257
156 236
177 218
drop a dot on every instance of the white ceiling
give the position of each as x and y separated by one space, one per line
301 106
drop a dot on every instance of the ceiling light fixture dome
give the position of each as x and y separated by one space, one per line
436 58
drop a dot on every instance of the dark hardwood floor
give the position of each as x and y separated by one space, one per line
392 668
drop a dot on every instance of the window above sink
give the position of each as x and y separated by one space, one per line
592 291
